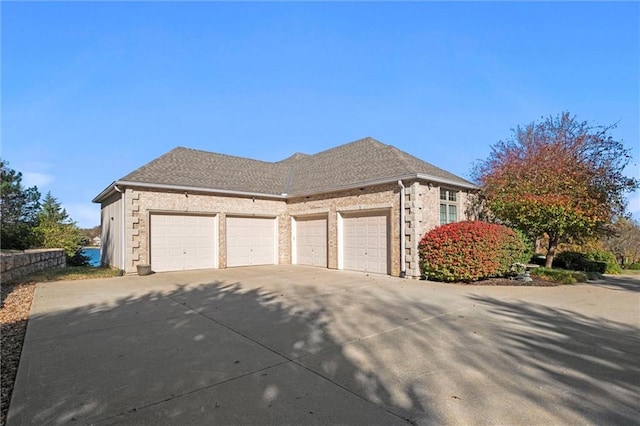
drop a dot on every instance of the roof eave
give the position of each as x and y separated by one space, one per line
457 183
131 184
365 184
420 176
105 193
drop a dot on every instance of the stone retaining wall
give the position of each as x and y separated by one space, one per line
16 265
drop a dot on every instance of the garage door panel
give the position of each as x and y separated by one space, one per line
251 241
311 242
182 242
365 243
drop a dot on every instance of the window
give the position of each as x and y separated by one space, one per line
448 206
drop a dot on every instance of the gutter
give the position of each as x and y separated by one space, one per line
403 249
182 188
410 176
466 185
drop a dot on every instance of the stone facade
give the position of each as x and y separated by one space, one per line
17 265
421 215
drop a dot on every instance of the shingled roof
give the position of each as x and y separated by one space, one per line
360 163
201 169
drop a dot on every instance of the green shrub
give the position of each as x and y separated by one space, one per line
599 261
633 266
78 259
528 246
470 251
538 259
559 276
570 260
606 257
599 267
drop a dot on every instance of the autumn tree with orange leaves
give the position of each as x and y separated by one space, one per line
557 177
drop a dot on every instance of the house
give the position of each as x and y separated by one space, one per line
360 206
96 241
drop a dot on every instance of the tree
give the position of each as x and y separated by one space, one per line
558 177
625 241
18 210
91 233
56 230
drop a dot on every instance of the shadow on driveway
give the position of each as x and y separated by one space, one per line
388 352
592 364
155 359
619 282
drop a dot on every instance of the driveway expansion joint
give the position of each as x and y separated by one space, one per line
191 392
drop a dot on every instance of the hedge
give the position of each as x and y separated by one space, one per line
602 262
470 251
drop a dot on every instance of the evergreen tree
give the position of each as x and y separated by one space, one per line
18 210
56 230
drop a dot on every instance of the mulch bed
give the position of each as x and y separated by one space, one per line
14 314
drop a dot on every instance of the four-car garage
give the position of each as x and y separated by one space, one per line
191 241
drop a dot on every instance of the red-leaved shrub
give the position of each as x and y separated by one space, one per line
470 251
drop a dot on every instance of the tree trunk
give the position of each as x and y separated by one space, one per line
551 250
538 245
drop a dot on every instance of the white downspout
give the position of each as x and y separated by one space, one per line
403 255
124 227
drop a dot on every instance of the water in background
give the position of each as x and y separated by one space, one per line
93 253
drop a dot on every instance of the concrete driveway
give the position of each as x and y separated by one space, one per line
297 345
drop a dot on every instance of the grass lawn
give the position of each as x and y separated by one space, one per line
70 273
561 276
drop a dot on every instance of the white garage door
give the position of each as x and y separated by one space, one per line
180 242
251 241
311 242
365 243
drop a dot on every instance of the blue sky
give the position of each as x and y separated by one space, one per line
92 91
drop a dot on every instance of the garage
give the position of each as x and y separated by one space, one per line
365 242
183 242
251 241
311 241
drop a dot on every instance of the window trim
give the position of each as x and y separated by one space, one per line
450 201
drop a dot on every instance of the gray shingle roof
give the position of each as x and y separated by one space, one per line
360 162
202 169
357 163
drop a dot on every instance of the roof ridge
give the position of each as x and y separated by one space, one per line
343 146
288 181
401 156
294 157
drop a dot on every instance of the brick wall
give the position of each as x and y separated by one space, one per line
380 198
422 210
421 215
141 204
17 265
